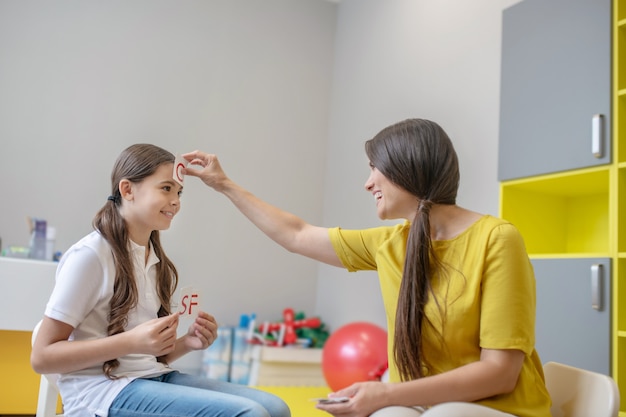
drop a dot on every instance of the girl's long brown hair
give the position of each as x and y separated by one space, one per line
134 164
418 156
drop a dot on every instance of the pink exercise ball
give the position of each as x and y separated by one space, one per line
353 353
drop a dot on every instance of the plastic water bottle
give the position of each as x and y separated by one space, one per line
38 240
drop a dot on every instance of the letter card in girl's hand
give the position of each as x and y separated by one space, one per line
188 302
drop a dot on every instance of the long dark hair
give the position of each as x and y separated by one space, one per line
134 164
418 156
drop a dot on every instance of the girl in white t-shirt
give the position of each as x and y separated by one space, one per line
108 328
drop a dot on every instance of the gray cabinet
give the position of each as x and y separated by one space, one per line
555 76
573 324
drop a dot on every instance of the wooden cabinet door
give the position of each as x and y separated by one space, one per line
556 75
573 324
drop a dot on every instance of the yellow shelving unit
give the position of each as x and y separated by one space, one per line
618 200
581 213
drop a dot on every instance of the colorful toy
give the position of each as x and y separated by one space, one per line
353 353
294 329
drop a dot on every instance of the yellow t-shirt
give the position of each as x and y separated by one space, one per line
487 295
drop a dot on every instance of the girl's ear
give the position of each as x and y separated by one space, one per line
126 189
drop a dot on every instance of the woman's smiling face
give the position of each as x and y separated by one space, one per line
392 201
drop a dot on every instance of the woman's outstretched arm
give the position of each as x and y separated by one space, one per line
288 230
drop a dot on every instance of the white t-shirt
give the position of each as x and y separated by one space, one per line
83 288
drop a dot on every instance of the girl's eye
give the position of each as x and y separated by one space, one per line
167 188
180 193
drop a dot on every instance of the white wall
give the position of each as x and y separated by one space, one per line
247 79
258 83
398 59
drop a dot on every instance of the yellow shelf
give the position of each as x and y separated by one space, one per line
575 255
563 213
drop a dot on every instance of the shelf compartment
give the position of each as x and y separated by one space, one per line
619 286
620 55
620 219
619 128
561 213
620 370
620 12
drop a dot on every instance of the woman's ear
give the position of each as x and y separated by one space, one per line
126 189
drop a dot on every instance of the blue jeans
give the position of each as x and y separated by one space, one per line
182 395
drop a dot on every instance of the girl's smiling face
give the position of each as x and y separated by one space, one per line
150 204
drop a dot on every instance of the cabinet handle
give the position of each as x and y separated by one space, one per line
597 135
596 287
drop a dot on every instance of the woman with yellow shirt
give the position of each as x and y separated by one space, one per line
458 287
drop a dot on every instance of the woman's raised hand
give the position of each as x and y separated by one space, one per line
207 168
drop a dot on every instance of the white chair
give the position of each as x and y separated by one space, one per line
48 390
577 392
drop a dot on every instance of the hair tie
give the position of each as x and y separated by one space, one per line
111 198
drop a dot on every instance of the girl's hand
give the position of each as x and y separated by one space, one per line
155 337
202 332
365 398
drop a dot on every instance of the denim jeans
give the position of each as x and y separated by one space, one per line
181 395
